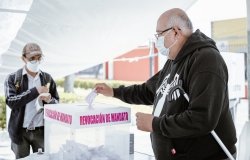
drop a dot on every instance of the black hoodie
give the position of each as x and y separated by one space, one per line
182 131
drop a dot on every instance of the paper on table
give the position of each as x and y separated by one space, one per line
91 97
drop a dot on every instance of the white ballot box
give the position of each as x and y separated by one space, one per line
75 132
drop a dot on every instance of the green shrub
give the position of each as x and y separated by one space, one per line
115 84
90 83
60 82
83 84
2 112
68 97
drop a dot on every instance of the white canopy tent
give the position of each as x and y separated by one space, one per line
75 35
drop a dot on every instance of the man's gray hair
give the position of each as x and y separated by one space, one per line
181 21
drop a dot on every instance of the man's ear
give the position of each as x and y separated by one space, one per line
23 59
176 30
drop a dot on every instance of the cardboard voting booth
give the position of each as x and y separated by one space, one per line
78 132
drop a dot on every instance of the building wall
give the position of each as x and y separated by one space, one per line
230 35
132 70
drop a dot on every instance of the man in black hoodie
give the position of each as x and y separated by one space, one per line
189 95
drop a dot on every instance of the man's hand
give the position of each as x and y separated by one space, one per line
44 94
104 89
42 89
45 97
144 121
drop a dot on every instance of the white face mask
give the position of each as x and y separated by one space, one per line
161 47
33 67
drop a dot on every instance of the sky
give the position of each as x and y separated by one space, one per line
204 11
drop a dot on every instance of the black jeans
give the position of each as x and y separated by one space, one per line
31 138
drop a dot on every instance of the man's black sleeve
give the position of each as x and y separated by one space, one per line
15 100
138 94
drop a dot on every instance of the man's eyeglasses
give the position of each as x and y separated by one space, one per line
157 35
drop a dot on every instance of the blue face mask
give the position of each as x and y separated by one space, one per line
33 66
161 47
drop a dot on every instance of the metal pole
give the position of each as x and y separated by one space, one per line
248 55
151 58
13 10
69 83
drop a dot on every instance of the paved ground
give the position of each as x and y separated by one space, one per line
141 153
